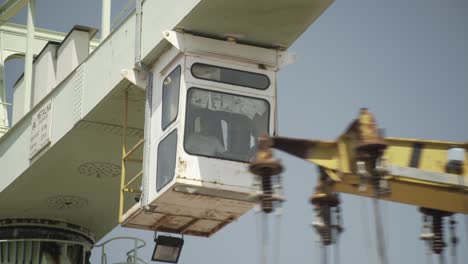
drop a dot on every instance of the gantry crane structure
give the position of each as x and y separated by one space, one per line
90 133
431 175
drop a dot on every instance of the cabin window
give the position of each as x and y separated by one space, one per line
170 97
230 76
222 125
167 150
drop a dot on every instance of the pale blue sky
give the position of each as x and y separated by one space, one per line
405 60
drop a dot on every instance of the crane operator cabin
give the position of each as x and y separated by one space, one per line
210 102
152 126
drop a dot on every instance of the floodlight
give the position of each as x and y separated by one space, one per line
167 249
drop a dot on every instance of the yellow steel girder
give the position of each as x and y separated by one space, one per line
416 170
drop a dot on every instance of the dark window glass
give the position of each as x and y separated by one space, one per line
170 97
167 151
230 76
222 125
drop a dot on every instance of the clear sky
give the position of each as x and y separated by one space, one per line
405 60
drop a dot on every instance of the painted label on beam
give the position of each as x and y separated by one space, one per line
40 129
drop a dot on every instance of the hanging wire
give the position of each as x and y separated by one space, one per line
426 237
277 241
441 258
466 229
262 235
324 253
365 228
453 239
380 235
428 252
385 224
461 180
278 222
317 251
265 237
336 250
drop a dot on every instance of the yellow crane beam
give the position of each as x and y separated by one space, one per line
414 171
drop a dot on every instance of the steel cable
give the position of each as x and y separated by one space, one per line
385 223
277 241
336 250
428 252
261 235
380 235
317 250
453 239
324 253
365 227
441 258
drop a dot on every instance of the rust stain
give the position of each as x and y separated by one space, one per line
182 168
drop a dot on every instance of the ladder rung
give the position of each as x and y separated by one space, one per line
133 179
130 152
134 160
131 190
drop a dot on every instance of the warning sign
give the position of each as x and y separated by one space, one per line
40 129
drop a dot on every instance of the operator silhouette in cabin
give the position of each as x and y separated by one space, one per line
217 129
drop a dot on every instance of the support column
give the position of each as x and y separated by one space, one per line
3 102
28 62
106 19
39 241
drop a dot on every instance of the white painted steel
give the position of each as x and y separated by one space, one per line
44 70
28 61
105 19
13 43
87 115
159 16
220 188
72 52
18 101
3 104
10 8
14 39
197 45
53 65
100 76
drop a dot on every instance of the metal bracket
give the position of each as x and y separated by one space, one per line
136 77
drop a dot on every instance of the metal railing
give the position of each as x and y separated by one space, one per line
132 255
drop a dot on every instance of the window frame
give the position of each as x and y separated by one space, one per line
232 69
178 67
222 92
175 158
